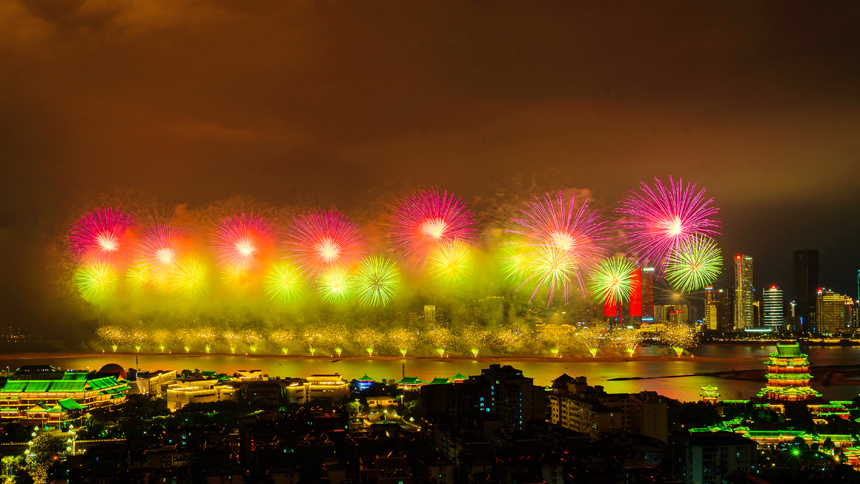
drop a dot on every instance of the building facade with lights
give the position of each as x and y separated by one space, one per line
774 317
744 296
833 312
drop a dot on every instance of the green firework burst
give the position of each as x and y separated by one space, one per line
610 281
283 282
451 264
376 281
335 285
96 280
189 277
695 264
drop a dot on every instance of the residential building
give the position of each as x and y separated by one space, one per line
806 286
577 406
709 457
744 294
649 415
501 391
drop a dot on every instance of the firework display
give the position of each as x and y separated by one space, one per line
282 338
242 242
96 281
283 282
158 251
324 240
451 263
219 280
335 285
611 280
401 338
188 277
426 220
694 264
102 236
376 281
661 219
680 337
558 245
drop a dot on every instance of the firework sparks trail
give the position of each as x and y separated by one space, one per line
401 338
558 245
660 219
282 338
425 220
102 236
324 239
679 337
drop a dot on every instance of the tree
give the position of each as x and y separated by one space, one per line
44 450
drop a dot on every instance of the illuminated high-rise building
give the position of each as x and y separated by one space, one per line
774 317
806 285
648 294
744 296
833 312
712 309
429 314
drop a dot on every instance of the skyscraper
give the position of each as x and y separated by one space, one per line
774 317
833 312
806 285
648 294
743 292
429 314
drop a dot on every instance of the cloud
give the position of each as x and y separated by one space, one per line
132 17
20 27
205 129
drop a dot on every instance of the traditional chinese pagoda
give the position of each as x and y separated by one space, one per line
788 376
710 394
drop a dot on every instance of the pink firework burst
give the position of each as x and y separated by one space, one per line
324 239
558 245
661 219
427 219
158 250
103 235
242 242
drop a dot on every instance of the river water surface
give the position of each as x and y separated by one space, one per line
707 359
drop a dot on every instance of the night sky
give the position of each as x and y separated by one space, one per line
193 101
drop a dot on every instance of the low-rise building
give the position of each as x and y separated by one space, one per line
576 406
37 399
197 390
155 383
317 387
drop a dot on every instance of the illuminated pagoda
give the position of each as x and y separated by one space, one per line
788 376
410 383
364 382
459 378
710 394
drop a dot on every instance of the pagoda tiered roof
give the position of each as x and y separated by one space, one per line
787 354
788 376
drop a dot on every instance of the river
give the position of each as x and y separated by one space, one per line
707 359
